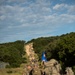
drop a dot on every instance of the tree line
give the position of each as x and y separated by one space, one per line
12 53
61 48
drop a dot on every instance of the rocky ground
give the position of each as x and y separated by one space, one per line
51 67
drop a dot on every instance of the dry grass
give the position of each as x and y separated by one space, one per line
15 71
12 71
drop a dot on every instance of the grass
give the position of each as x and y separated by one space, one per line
12 71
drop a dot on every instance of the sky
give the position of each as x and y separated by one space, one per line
30 19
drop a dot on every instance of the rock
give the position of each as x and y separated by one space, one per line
52 67
27 70
36 71
69 71
3 64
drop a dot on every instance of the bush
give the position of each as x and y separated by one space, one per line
14 65
9 71
8 66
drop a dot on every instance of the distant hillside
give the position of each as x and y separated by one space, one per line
61 48
12 53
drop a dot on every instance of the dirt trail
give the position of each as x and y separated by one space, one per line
31 55
52 67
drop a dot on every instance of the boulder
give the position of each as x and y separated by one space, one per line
52 67
69 71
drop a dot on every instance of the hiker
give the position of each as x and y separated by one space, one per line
44 57
43 60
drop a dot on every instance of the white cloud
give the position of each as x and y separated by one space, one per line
58 20
71 9
58 6
33 19
67 18
46 9
33 14
65 7
2 17
15 2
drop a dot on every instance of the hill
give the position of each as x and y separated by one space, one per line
61 48
12 53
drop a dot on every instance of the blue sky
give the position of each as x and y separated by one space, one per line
29 19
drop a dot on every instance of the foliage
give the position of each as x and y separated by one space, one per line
12 53
40 43
61 48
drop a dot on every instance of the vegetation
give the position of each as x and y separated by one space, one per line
12 71
61 48
12 53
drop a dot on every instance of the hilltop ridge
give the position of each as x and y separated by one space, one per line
60 48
